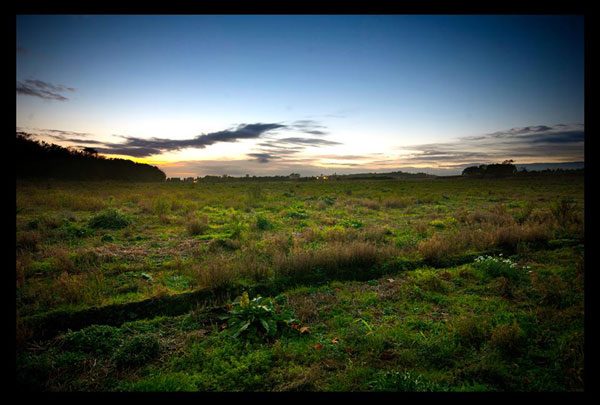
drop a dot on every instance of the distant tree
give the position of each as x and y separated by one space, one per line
38 159
90 151
474 171
504 169
501 169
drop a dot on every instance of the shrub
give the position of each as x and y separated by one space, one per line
109 219
137 351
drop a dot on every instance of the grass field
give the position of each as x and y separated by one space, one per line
446 284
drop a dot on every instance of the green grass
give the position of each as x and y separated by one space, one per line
383 274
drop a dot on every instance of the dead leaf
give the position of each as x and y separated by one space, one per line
391 280
318 346
335 341
304 329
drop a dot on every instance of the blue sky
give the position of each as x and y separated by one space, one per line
344 93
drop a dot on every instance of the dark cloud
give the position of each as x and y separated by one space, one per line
532 142
139 147
41 89
271 147
560 137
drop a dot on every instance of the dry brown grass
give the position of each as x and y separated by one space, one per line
370 204
61 260
510 236
197 225
497 215
218 272
438 249
71 287
336 259
397 202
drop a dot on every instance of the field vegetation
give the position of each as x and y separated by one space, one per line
435 284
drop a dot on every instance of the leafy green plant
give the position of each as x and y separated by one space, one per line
255 318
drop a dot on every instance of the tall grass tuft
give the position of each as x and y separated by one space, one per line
336 260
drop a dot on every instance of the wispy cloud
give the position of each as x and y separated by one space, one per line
280 148
41 89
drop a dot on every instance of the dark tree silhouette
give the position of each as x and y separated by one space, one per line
504 169
38 159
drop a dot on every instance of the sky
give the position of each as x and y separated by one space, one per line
310 94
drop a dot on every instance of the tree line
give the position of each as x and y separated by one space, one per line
41 160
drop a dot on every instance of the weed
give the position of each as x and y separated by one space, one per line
255 318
